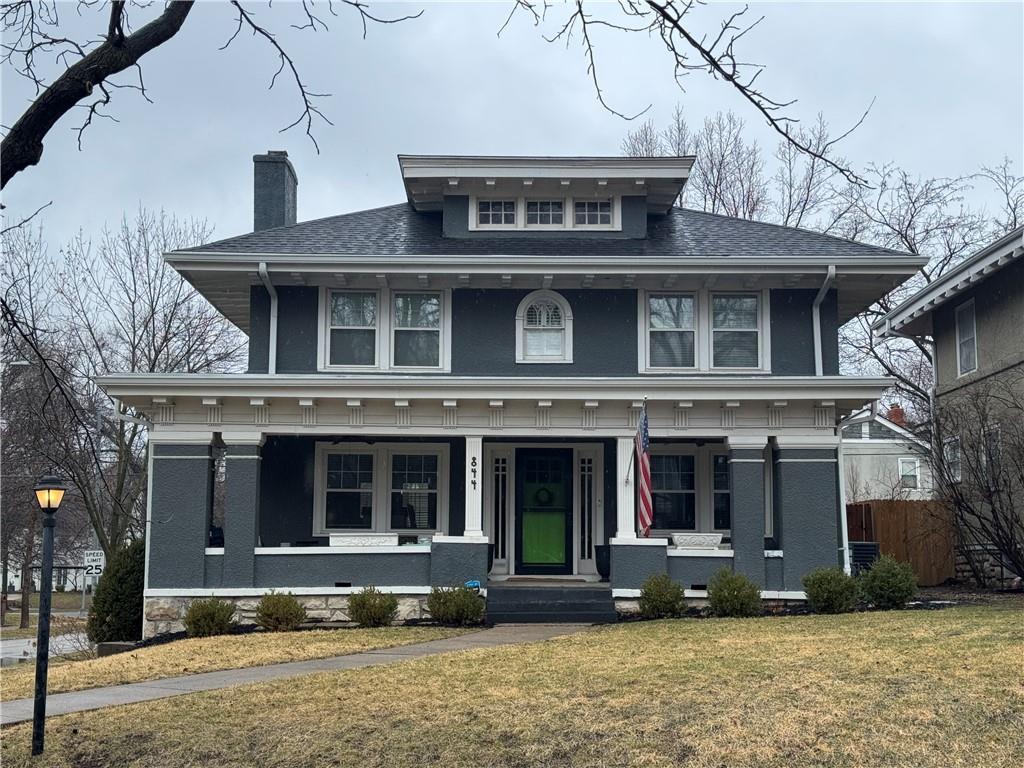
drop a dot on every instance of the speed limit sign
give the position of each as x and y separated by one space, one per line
94 562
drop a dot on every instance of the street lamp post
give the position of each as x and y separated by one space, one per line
49 493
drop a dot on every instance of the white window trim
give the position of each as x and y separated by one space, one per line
703 341
529 299
385 332
974 340
917 472
381 492
568 211
704 468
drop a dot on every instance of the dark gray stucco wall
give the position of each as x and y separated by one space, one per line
455 223
604 338
696 572
396 569
807 501
241 513
297 328
214 571
633 564
792 332
452 565
286 486
179 515
746 473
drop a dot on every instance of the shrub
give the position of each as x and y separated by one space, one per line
205 618
371 608
733 594
116 610
661 598
459 606
279 613
888 583
830 590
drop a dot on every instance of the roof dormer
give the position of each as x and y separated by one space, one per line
593 181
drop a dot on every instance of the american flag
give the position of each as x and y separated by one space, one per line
645 510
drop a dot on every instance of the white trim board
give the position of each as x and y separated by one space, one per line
403 549
683 552
766 594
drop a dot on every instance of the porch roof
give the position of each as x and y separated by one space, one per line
846 393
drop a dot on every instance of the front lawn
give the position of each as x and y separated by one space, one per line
913 688
208 654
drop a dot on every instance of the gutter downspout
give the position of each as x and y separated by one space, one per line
816 317
843 531
272 352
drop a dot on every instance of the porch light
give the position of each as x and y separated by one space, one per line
50 493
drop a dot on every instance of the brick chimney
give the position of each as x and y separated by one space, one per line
897 415
275 190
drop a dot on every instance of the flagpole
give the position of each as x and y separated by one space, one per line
630 470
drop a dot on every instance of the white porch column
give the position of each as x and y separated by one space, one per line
474 485
625 484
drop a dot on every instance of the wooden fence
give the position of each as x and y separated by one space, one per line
915 532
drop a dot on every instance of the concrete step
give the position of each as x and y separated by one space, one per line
520 603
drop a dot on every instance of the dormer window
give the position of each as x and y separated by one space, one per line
593 213
544 329
496 212
544 213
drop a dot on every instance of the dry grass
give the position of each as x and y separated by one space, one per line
924 689
208 654
59 625
59 601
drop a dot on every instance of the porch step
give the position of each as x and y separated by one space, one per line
520 604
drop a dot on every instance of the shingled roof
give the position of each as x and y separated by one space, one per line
399 230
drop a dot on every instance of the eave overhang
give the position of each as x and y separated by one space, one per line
914 316
225 278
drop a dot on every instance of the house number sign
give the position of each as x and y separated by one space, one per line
473 471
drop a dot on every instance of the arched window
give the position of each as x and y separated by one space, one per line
544 329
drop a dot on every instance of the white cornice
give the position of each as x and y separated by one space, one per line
443 387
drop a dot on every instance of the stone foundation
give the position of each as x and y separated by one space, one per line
164 615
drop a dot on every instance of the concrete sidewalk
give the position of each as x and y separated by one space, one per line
20 710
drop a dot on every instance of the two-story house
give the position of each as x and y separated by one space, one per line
448 389
973 319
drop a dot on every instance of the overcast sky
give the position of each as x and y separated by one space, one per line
946 79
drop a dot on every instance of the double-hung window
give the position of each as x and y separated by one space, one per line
674 491
672 321
910 473
414 492
352 328
735 330
349 492
966 339
382 330
380 488
416 329
544 328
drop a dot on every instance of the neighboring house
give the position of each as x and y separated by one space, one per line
974 319
447 390
882 459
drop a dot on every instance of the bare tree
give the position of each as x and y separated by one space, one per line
87 70
118 308
980 470
1010 189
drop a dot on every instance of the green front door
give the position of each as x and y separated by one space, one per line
544 510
